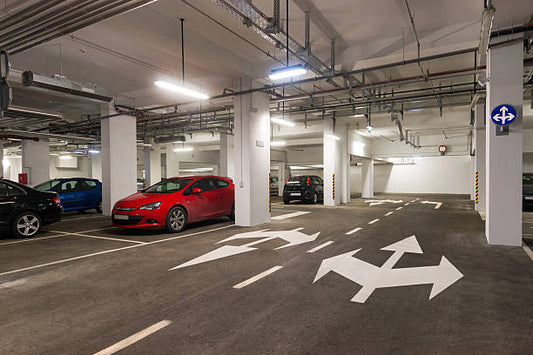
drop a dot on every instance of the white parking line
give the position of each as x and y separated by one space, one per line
528 251
406 204
373 221
399 208
290 215
388 213
354 230
107 238
109 251
258 277
32 239
134 338
86 217
323 245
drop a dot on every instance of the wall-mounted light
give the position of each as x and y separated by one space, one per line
277 143
181 89
287 72
333 136
93 151
282 122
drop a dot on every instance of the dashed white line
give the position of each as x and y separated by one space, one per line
528 251
323 245
399 208
388 213
134 338
109 251
354 230
373 221
258 277
406 204
290 215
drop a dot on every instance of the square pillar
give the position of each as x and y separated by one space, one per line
480 172
173 162
282 177
119 157
152 163
251 155
227 163
36 160
504 152
1 160
335 169
95 165
368 178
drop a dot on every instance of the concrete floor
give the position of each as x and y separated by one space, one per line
83 286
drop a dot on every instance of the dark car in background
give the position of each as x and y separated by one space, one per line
274 186
24 210
307 188
527 191
76 194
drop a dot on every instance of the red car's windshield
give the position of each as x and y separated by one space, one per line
168 186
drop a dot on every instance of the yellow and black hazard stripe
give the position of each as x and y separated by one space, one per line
333 187
477 187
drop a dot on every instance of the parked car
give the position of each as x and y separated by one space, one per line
24 210
527 190
76 194
309 188
274 186
140 184
174 202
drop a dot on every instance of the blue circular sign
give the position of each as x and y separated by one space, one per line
503 115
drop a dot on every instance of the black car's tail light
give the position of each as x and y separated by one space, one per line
57 201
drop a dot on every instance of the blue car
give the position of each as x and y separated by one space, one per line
76 194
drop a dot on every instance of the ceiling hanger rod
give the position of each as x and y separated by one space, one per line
182 53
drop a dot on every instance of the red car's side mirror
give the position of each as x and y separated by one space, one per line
197 190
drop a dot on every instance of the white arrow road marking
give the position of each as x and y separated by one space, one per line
437 204
290 215
321 246
258 277
380 202
354 230
134 338
371 277
293 237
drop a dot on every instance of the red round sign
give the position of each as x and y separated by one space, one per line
443 149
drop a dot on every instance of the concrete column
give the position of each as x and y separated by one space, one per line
504 153
1 160
368 178
480 158
227 162
334 143
173 163
95 165
119 157
251 155
152 164
36 160
343 132
282 177
471 179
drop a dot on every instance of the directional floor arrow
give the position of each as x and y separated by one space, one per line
380 202
293 237
371 277
437 204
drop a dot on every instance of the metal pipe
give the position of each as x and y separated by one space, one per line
182 52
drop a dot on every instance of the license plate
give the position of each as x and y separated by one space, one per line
296 194
122 217
529 197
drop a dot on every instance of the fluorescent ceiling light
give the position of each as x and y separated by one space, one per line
296 167
282 122
359 115
183 149
93 151
65 157
181 89
287 72
277 143
333 136
486 26
318 166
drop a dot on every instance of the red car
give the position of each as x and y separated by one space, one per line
174 202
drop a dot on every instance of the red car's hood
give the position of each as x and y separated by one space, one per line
140 199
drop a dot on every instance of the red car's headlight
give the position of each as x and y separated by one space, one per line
151 206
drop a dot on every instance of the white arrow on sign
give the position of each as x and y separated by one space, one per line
293 237
380 202
371 277
437 204
504 116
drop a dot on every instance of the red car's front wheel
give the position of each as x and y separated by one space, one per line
176 219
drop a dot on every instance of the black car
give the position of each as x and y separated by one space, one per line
309 188
24 210
527 190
